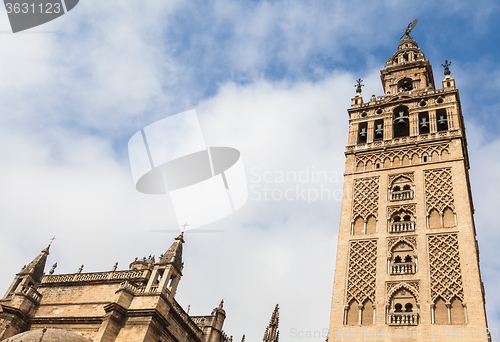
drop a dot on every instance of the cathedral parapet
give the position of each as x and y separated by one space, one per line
113 276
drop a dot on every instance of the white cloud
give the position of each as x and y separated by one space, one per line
70 100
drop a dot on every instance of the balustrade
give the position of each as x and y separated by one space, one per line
403 318
403 268
401 195
402 226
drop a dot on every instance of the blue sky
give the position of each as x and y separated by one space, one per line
273 79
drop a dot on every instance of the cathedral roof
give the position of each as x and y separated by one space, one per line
37 266
48 335
174 253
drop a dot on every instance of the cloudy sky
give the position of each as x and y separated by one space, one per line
272 79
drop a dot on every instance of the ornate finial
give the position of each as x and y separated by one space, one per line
144 259
180 237
221 304
80 269
358 85
446 67
411 26
114 267
188 308
135 259
53 268
243 338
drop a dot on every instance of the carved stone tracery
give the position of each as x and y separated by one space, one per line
444 267
362 271
411 208
408 175
393 287
403 152
410 240
365 201
438 190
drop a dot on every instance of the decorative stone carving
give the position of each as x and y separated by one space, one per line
444 267
362 271
438 190
366 195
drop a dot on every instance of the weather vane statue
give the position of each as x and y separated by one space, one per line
446 67
358 85
411 26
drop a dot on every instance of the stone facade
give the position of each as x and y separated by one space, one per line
137 304
407 240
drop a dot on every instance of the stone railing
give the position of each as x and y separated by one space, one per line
199 320
401 195
403 268
401 227
32 293
64 278
404 140
402 318
185 317
141 289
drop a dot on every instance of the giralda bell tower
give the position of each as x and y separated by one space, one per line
407 258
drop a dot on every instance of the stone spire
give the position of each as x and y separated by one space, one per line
36 268
174 254
272 333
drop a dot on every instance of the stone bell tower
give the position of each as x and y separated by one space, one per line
407 257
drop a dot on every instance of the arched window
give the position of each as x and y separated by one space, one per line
402 259
401 188
405 84
401 310
441 120
423 123
363 133
401 122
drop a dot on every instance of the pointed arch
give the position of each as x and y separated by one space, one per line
359 226
367 314
360 166
371 225
369 165
434 219
440 312
410 241
401 286
406 160
457 311
448 218
353 313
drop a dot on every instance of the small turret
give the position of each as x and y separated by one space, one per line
167 271
30 275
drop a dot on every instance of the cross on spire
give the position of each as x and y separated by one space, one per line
184 226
